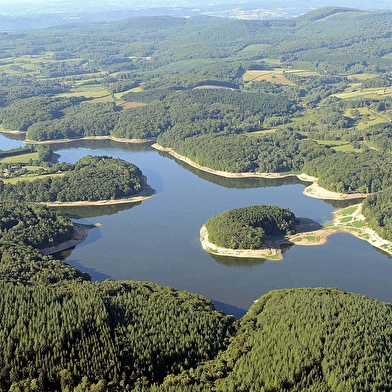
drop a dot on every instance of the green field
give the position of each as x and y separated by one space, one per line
23 158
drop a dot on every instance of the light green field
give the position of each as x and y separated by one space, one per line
363 76
339 145
372 117
302 72
254 50
272 61
351 92
30 177
273 76
23 158
261 133
89 91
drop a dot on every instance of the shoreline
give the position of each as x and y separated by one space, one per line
112 138
79 236
314 190
124 200
352 223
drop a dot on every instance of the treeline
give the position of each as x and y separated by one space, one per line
377 209
301 340
188 113
86 119
24 229
13 88
352 172
272 152
248 227
90 179
103 336
23 113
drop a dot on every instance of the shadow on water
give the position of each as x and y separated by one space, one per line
14 136
94 274
229 309
101 144
343 203
238 183
230 261
84 212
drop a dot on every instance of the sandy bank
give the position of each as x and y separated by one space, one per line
308 233
115 139
124 200
313 190
318 192
80 234
10 131
269 253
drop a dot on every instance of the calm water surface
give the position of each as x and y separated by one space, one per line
158 240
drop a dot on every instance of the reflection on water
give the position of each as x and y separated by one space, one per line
83 212
343 203
9 141
238 183
237 261
103 144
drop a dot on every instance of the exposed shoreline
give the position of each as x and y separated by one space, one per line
124 200
314 190
80 234
353 223
115 139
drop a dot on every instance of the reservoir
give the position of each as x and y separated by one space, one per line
158 240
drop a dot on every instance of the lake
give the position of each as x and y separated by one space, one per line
158 240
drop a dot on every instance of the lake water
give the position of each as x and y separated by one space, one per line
158 240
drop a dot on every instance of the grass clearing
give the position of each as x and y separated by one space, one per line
131 105
348 210
356 92
272 61
362 76
302 72
23 158
30 177
272 76
255 49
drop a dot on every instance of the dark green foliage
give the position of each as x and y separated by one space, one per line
24 229
377 209
16 151
189 113
90 179
33 225
302 340
25 112
351 172
247 227
87 119
278 152
125 333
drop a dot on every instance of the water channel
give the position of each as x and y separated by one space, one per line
158 240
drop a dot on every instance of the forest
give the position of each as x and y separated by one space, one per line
289 93
308 94
145 337
89 179
248 227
